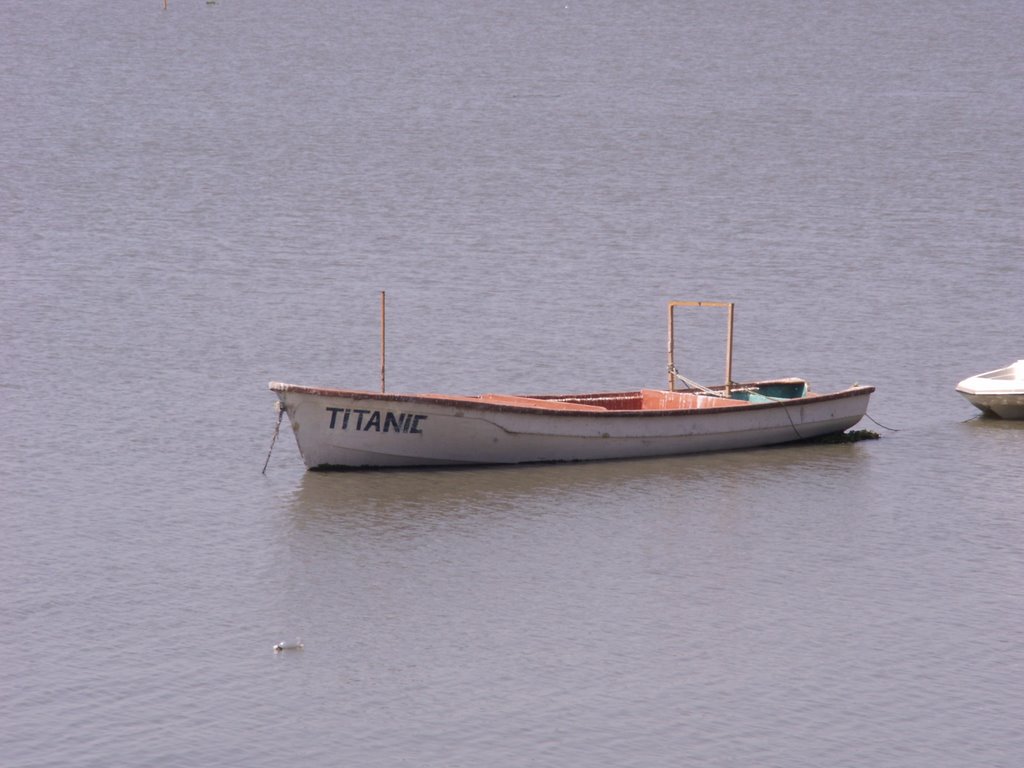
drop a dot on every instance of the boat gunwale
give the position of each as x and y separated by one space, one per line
964 388
1008 378
478 403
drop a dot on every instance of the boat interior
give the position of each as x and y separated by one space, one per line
656 399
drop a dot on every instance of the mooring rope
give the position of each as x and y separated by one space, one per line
868 416
279 407
795 430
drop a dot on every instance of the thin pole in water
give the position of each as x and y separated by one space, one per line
383 345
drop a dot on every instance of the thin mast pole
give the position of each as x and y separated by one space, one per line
728 353
383 344
671 348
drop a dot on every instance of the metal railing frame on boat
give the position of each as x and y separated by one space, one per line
672 339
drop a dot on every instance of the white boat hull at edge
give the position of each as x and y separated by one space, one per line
997 393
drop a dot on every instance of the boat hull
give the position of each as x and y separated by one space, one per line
997 393
1003 406
347 429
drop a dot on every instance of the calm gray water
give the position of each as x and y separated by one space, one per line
198 200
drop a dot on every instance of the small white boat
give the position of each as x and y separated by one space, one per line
339 428
997 393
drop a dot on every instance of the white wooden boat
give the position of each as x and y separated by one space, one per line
997 393
340 428
337 428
